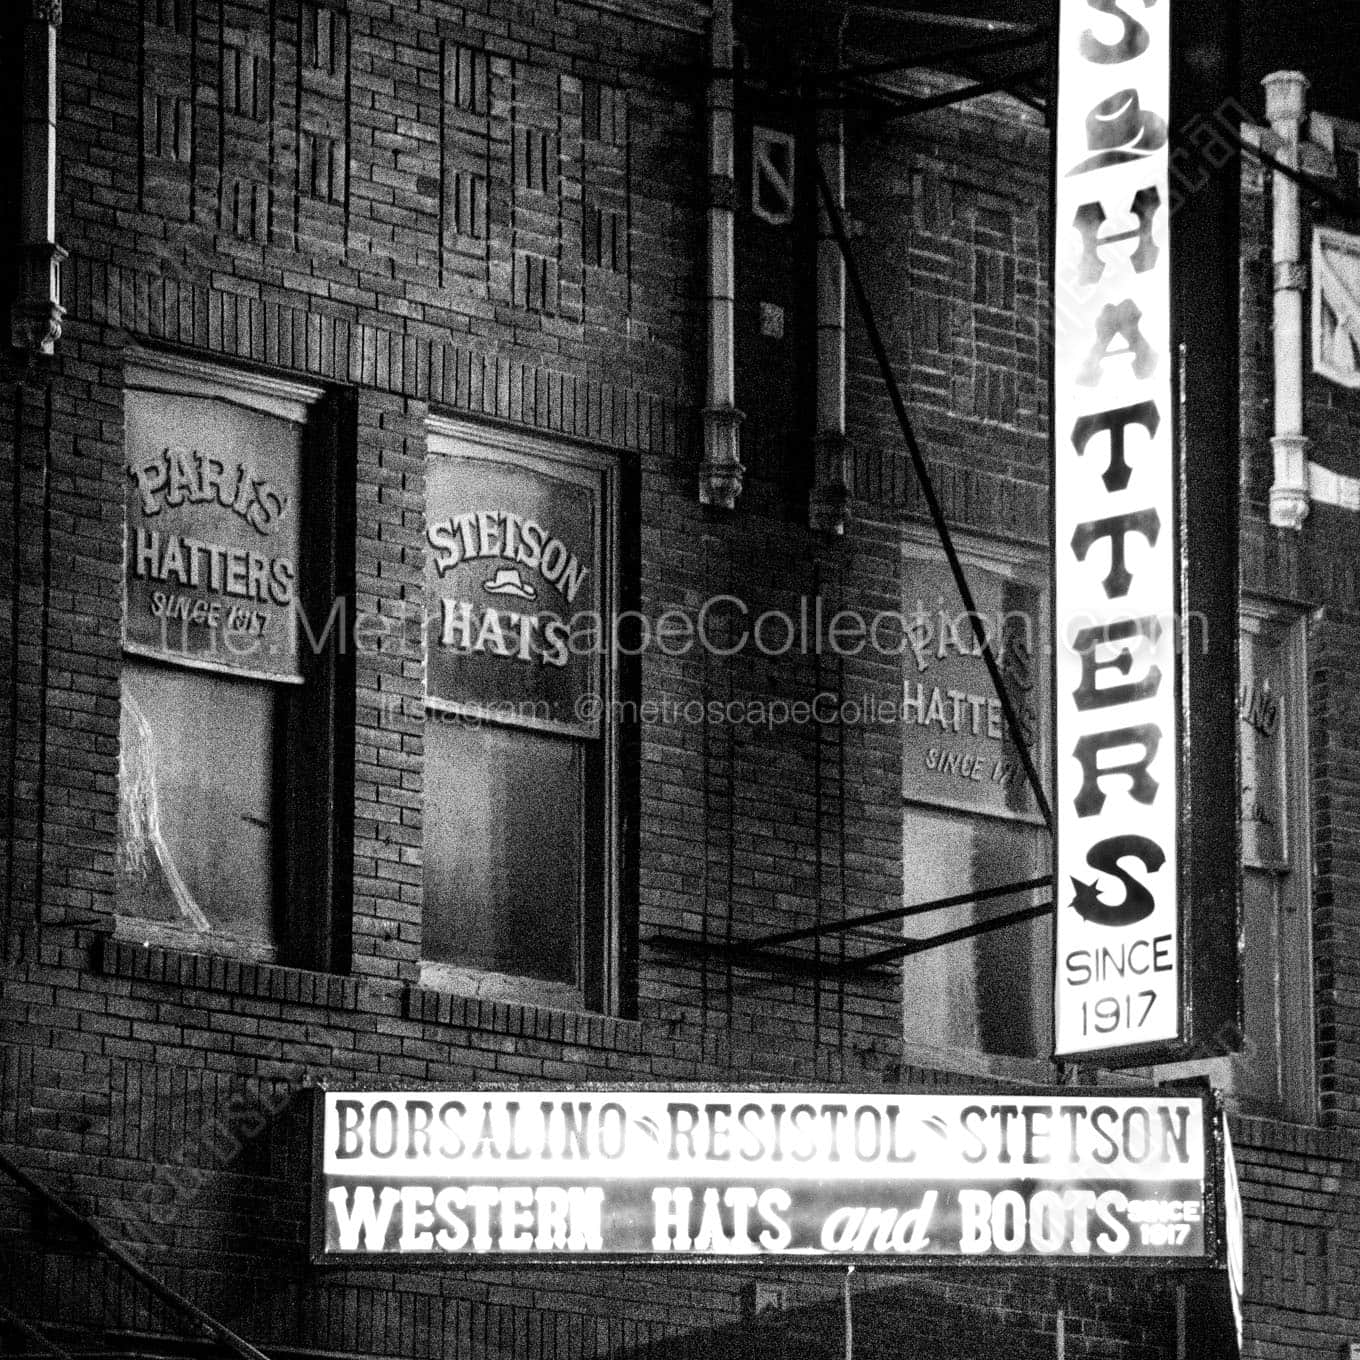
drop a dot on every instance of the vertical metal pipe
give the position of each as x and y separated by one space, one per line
828 504
721 472
1289 501
35 321
37 313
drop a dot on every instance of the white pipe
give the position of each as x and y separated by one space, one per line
827 510
35 320
1289 494
721 472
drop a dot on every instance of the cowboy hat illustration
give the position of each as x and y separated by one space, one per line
1117 130
507 582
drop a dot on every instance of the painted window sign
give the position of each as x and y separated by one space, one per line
211 562
669 1175
1261 734
1118 982
957 750
512 579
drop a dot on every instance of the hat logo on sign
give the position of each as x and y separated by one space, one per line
507 581
1117 130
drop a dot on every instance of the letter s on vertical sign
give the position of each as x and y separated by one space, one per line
1133 43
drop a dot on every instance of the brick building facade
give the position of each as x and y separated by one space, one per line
397 252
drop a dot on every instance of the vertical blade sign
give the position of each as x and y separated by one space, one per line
1117 932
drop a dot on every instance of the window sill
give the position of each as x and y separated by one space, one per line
965 1063
458 996
160 962
164 935
488 986
1281 1135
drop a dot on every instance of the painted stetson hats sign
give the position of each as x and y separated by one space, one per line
507 581
512 566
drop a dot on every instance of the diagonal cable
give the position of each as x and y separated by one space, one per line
928 492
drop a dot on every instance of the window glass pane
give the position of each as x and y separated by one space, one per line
503 819
196 839
970 820
989 994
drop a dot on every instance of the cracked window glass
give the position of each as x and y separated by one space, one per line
196 844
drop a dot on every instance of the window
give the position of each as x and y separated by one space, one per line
1273 1072
970 821
519 750
1336 326
227 736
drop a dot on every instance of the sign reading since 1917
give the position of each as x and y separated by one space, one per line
670 1174
1119 963
212 516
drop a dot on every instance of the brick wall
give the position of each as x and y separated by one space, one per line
498 212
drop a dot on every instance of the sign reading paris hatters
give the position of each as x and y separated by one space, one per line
957 749
212 534
1125 709
1098 1178
512 589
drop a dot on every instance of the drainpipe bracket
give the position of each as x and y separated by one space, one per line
1289 496
1292 274
37 314
722 192
721 473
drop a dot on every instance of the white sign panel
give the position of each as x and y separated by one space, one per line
666 1175
1118 979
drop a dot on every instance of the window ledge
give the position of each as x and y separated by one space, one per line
1279 1135
272 981
185 940
222 973
968 1065
527 1020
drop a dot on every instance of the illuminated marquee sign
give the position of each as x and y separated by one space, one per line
667 1175
1118 928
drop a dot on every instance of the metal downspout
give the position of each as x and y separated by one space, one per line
36 316
1289 498
721 472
